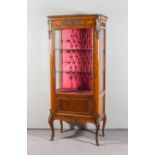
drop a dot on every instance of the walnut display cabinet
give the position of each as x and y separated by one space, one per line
77 70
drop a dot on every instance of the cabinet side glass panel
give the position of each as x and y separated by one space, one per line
58 59
73 60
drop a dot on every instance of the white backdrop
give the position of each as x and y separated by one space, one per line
38 98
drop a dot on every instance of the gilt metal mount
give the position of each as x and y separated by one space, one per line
72 22
100 25
98 119
50 116
49 28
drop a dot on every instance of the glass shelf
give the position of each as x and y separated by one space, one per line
75 49
81 50
74 91
74 72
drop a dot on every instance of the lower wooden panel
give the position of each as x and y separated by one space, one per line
75 106
81 118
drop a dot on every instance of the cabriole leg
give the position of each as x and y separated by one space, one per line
104 123
97 130
52 128
51 123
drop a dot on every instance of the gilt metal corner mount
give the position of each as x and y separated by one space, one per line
49 28
100 25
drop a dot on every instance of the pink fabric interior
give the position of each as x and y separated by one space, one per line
77 59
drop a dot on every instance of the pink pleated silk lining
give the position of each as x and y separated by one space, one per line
76 59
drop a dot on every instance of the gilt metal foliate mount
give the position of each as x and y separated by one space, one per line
100 25
50 116
49 28
98 119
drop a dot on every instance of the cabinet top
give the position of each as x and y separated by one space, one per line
78 16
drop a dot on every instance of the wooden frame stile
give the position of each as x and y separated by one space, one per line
96 23
96 82
52 80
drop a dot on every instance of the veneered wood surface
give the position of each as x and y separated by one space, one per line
88 106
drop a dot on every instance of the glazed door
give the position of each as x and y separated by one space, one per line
73 60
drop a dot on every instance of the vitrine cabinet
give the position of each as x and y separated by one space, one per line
78 69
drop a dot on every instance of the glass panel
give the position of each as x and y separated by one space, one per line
73 59
101 43
58 39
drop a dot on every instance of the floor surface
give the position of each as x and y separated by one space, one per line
77 142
